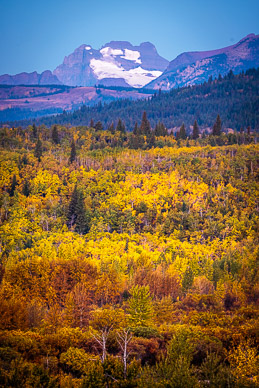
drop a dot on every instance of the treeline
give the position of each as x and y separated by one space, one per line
235 97
122 267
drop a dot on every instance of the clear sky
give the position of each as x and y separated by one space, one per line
37 34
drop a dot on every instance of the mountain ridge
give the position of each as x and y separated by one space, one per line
195 67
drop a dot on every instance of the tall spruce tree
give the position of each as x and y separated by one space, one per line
34 131
145 126
216 131
72 157
13 186
76 215
98 126
195 132
120 126
182 132
55 135
160 129
111 128
38 150
136 129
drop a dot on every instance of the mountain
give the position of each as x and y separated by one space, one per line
115 64
197 67
234 97
45 78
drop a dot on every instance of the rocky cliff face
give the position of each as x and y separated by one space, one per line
115 64
45 78
196 67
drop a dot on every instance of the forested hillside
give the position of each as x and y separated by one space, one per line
130 260
234 97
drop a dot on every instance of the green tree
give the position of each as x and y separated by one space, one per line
160 129
145 126
26 188
195 132
55 135
72 157
34 131
120 126
38 150
216 131
98 126
182 132
140 307
13 186
76 215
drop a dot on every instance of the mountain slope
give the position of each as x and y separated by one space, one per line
235 98
115 64
45 78
196 67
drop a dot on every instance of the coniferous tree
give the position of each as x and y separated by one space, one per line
120 126
182 132
145 126
81 216
160 129
55 135
111 128
76 216
91 125
38 150
216 131
34 131
195 132
72 209
13 187
26 188
72 157
98 126
136 129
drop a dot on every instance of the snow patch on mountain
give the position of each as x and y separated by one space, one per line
131 55
109 52
88 47
137 77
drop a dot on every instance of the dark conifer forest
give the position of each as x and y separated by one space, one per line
234 97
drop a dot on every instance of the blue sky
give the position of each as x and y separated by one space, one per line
36 35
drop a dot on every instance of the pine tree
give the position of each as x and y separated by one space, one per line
195 132
72 209
121 127
160 129
38 150
55 135
111 128
13 187
136 129
81 216
98 126
34 131
216 131
145 127
76 216
26 188
182 132
72 157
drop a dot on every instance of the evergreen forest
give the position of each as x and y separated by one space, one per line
235 97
